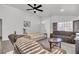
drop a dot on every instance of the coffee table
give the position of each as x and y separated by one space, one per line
55 42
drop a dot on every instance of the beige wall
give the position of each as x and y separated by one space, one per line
57 19
13 21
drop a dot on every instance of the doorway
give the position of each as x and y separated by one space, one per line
0 36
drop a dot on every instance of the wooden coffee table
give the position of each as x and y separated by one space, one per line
55 42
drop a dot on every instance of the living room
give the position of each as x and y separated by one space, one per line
56 21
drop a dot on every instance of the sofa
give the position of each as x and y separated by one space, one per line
23 45
37 36
66 36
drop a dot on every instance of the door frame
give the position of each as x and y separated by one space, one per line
1 28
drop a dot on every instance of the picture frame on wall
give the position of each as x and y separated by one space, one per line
27 23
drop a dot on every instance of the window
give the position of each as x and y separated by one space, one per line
65 26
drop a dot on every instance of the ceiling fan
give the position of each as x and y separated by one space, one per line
35 7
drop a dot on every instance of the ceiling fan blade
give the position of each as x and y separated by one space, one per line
39 6
39 10
29 9
30 5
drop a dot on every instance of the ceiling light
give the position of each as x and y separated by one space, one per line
34 11
43 22
61 10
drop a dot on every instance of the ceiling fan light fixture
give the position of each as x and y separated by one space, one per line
34 11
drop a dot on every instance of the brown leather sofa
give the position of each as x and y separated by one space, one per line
66 36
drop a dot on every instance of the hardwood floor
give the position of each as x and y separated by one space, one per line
7 46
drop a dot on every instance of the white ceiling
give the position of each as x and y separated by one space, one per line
52 9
